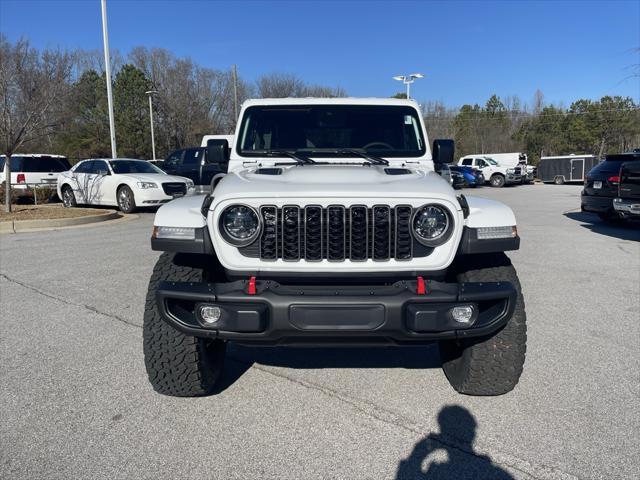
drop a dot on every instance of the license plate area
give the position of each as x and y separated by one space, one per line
336 317
597 184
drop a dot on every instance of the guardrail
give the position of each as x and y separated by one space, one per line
45 183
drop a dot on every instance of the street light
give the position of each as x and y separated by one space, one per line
408 80
153 141
107 71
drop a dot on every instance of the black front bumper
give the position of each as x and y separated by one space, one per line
321 314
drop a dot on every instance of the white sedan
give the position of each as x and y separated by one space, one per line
122 182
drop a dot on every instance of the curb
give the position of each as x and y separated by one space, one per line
17 226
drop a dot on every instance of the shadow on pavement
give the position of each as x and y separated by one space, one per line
629 230
449 454
338 357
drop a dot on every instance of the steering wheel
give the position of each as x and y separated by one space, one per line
382 144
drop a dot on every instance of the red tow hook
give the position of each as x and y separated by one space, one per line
252 286
421 288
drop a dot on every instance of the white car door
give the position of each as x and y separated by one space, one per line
80 176
102 181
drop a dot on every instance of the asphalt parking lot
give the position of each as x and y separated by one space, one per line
75 401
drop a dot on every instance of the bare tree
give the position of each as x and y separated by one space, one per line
283 85
33 87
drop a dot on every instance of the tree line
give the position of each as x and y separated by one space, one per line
608 125
55 101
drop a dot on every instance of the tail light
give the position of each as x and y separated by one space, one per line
615 179
21 178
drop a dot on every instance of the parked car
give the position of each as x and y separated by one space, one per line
125 183
457 179
29 170
627 203
194 163
494 173
601 186
157 163
472 176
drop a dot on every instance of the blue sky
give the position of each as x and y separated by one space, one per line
467 50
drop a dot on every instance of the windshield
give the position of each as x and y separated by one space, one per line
133 166
387 130
491 161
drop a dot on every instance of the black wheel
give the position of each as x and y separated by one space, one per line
497 180
559 181
126 200
68 197
489 365
177 364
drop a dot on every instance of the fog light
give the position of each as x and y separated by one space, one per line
462 314
210 314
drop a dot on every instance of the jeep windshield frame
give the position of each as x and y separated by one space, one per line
332 131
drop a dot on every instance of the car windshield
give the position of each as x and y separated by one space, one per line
490 161
329 130
133 166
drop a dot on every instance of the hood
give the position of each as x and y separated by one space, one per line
153 177
346 181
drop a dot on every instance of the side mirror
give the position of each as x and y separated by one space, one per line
217 151
442 151
103 173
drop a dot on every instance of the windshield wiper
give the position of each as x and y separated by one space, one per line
285 153
366 156
371 158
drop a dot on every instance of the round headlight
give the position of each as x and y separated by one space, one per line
239 224
432 225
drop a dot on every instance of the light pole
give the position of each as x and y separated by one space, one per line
107 71
408 80
150 93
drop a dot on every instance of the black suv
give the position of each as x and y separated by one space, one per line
601 185
193 163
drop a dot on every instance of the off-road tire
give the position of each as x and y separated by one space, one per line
126 205
177 364
497 180
68 197
489 365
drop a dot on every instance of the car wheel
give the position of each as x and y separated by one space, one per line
489 365
126 200
559 181
68 197
178 364
497 181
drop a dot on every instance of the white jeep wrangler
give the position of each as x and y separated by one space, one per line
331 228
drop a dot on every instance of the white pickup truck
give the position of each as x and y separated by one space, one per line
332 227
497 175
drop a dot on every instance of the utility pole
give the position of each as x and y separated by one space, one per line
235 93
107 69
153 140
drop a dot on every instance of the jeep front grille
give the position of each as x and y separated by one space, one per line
336 233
